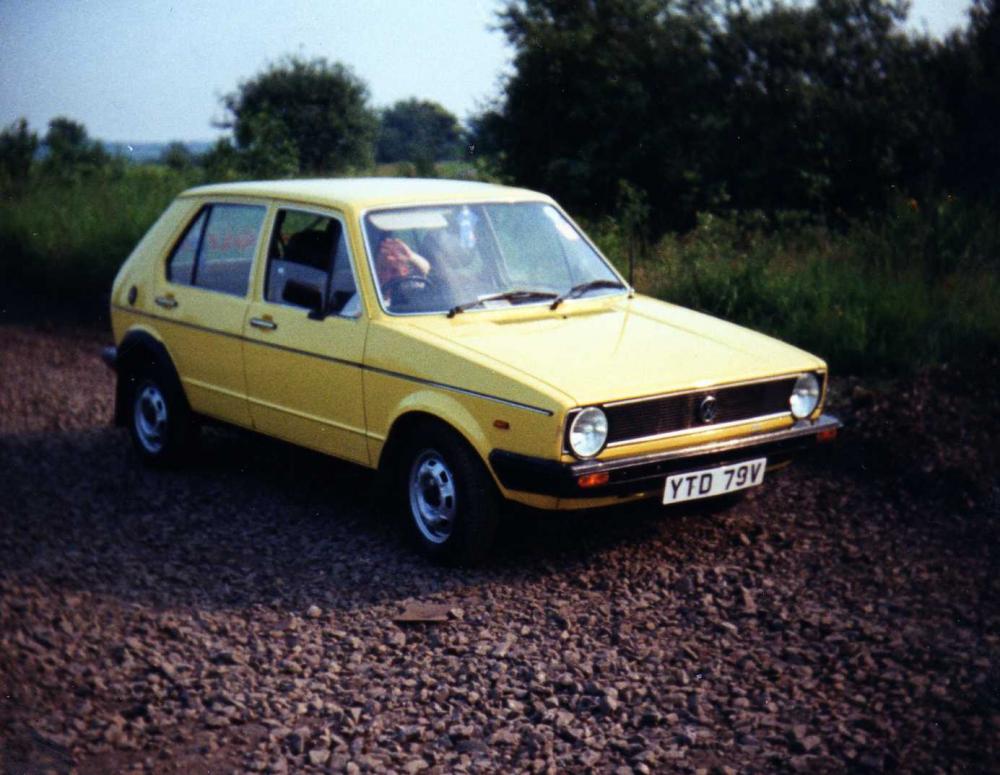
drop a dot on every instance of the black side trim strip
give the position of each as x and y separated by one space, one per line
307 354
464 391
355 364
183 323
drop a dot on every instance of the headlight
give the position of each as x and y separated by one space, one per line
588 432
805 396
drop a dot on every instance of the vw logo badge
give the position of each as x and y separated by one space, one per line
707 409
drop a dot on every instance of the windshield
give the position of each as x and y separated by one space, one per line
457 257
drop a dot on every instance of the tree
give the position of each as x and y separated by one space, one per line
222 161
969 69
18 145
70 152
829 107
609 91
418 131
271 152
177 157
321 107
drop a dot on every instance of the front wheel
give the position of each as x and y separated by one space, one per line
448 498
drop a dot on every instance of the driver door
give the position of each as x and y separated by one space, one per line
305 338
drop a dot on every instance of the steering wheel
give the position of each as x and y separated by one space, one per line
406 283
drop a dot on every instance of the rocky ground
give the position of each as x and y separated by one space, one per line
250 612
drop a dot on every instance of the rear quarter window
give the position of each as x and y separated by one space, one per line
180 267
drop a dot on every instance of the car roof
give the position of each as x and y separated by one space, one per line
366 193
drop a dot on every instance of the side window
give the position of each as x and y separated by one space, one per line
180 267
309 265
227 249
216 252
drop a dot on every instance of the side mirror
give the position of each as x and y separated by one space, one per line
305 295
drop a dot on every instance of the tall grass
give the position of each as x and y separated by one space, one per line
911 288
66 239
919 285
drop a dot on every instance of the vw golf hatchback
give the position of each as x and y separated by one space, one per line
467 340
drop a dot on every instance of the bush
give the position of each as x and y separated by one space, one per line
917 286
18 145
66 240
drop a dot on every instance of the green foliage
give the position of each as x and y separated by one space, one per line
18 145
877 297
633 214
222 162
71 154
177 157
608 91
271 152
418 130
69 223
403 169
66 239
321 109
828 107
424 167
969 68
913 285
466 169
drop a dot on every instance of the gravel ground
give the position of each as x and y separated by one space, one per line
249 613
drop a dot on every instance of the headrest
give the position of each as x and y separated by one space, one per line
312 248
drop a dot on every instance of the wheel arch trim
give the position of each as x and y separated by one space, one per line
137 341
436 408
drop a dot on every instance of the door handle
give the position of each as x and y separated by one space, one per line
168 301
265 323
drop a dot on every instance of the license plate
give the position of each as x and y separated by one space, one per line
692 485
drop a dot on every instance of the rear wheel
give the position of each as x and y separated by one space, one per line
159 420
446 496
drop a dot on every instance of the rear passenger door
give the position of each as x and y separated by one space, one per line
202 298
305 337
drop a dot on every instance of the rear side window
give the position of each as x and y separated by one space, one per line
216 252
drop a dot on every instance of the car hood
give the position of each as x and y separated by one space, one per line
599 352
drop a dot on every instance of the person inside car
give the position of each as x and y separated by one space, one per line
396 259
452 267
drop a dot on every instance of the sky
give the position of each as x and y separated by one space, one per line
155 70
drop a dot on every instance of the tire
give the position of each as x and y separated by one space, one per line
160 423
445 496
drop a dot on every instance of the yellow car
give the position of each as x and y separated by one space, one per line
467 340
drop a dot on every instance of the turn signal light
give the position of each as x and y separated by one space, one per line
826 435
593 480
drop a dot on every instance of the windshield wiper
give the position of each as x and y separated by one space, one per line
582 288
520 295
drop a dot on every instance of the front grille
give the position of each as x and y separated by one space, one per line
669 414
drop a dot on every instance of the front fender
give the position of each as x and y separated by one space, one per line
445 408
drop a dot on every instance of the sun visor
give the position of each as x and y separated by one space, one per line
401 220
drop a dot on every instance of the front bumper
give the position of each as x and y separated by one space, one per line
646 473
110 357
